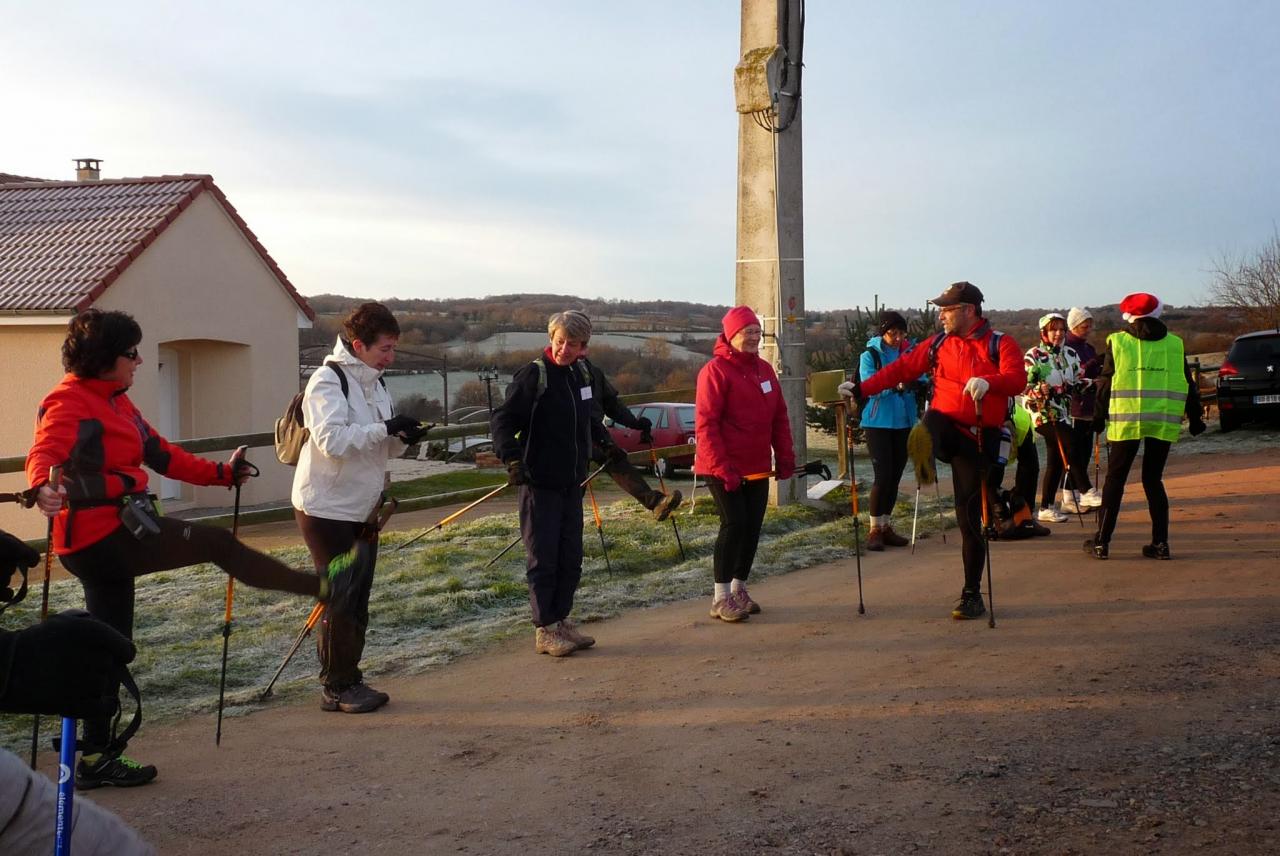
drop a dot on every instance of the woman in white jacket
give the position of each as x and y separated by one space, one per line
341 475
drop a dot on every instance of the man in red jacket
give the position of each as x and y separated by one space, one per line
974 370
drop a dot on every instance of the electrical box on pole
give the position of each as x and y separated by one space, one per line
770 250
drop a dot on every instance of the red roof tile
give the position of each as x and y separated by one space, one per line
62 243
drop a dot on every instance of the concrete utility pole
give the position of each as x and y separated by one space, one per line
770 263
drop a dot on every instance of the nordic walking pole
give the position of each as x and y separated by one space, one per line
55 479
237 459
986 513
914 517
504 552
452 517
662 483
316 612
857 526
66 789
1097 461
595 509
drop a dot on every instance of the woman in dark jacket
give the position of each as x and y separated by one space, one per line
1083 402
88 427
744 436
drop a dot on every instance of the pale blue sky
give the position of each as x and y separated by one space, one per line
1054 154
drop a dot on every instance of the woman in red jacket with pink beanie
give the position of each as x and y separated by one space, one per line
743 438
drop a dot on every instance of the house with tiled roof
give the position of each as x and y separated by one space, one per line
219 317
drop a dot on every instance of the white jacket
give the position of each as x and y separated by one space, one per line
343 466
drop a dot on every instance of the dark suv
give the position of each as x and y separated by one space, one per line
1248 383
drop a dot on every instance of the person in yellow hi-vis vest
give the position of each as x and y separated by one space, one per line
1143 393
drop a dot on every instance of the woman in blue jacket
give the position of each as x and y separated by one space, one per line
887 418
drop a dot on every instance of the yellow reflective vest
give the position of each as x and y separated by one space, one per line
1148 389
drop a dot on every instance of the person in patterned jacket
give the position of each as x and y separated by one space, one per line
1054 373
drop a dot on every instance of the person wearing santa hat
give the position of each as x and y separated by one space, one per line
1143 392
742 430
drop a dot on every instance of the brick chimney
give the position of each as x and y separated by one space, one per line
88 169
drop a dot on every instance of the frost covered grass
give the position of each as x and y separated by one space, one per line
432 602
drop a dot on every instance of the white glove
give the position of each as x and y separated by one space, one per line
845 389
976 388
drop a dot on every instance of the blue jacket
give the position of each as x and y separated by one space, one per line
888 409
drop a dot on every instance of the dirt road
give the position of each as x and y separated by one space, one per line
1127 706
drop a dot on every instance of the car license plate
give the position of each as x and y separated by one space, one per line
1266 399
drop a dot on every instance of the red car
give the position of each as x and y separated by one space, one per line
672 426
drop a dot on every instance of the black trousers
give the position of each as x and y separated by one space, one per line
340 636
1057 442
551 527
629 479
1027 471
741 516
1120 455
1081 454
959 447
888 450
106 570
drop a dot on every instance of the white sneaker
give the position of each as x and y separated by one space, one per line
1070 504
1091 498
1049 514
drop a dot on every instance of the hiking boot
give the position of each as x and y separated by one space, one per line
875 539
348 576
970 606
728 609
893 539
1096 549
1156 551
551 640
116 771
745 603
570 631
1049 514
667 504
356 698
1091 498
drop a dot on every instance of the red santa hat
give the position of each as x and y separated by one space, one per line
1140 305
737 318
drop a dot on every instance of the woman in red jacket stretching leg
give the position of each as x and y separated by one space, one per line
742 431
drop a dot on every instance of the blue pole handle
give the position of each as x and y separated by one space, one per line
66 788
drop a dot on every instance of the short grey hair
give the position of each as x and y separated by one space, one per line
575 325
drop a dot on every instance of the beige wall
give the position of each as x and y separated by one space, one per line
202 290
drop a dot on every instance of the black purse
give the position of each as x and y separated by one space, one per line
138 514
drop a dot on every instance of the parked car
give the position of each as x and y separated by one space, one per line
1248 385
672 426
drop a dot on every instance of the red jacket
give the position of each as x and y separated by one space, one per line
740 416
91 429
959 359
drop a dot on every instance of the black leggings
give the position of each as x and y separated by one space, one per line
1120 455
340 635
741 516
888 450
107 568
1058 439
959 447
1081 453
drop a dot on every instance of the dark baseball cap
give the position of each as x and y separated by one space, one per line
959 292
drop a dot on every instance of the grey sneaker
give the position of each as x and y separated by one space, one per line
116 771
357 698
728 609
746 603
552 640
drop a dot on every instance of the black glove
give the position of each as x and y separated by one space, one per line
13 555
615 455
1099 424
1197 427
645 426
415 434
515 473
67 665
400 425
